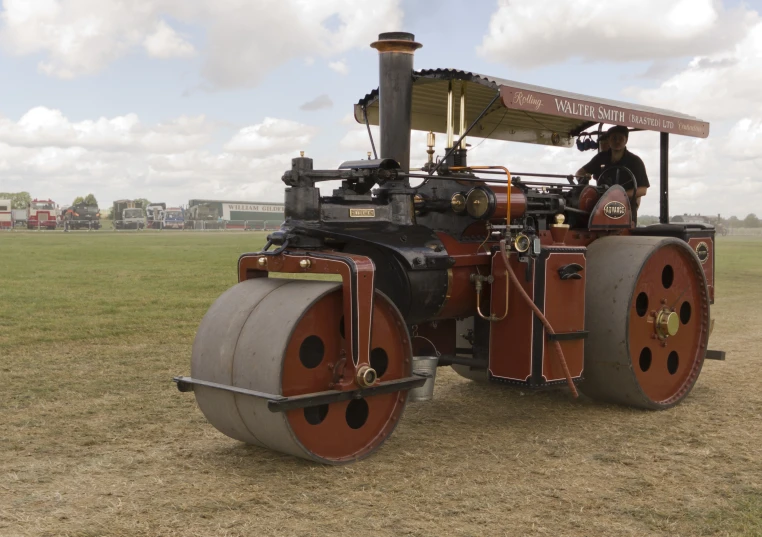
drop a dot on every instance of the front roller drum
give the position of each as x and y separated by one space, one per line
287 337
647 314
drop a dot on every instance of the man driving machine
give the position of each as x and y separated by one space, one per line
618 155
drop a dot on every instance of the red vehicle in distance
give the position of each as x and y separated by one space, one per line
42 214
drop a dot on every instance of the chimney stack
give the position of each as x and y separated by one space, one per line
395 62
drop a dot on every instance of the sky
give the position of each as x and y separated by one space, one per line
177 99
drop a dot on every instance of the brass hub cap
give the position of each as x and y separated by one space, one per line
667 323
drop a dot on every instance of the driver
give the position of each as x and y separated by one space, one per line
618 155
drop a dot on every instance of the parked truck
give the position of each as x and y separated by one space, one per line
128 214
42 214
153 215
82 216
172 218
234 214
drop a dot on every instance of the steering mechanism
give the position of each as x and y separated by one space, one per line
617 169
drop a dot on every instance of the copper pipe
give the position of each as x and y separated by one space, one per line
543 319
491 318
507 222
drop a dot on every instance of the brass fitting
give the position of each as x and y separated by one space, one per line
430 143
262 261
366 376
458 202
305 263
667 323
560 219
521 243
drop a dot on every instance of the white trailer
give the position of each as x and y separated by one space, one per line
20 216
6 214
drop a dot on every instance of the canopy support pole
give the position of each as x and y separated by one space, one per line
664 178
463 134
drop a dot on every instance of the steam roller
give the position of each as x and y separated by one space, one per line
524 279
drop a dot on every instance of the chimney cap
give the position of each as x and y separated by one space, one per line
396 42
406 36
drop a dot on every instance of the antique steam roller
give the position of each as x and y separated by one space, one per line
509 277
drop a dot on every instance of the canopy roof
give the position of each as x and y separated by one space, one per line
525 113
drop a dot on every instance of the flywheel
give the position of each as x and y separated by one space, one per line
286 337
647 314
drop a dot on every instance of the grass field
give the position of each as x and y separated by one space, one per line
96 440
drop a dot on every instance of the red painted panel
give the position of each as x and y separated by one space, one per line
510 345
565 311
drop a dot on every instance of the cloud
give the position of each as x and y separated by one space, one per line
721 86
271 136
80 37
744 142
46 153
166 43
318 103
340 67
45 127
547 31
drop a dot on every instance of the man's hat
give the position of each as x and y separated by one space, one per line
619 129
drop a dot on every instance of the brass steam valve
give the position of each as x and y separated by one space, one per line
430 142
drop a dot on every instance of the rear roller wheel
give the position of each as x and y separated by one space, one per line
286 337
647 313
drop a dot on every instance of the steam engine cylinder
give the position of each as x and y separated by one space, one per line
491 203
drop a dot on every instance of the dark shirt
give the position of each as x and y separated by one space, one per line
602 161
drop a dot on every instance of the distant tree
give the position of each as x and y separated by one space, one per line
733 221
142 203
87 200
751 220
677 218
19 200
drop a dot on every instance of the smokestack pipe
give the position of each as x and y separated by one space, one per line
395 62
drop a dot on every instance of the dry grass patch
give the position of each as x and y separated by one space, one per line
94 439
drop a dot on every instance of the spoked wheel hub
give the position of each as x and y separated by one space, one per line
287 337
647 312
